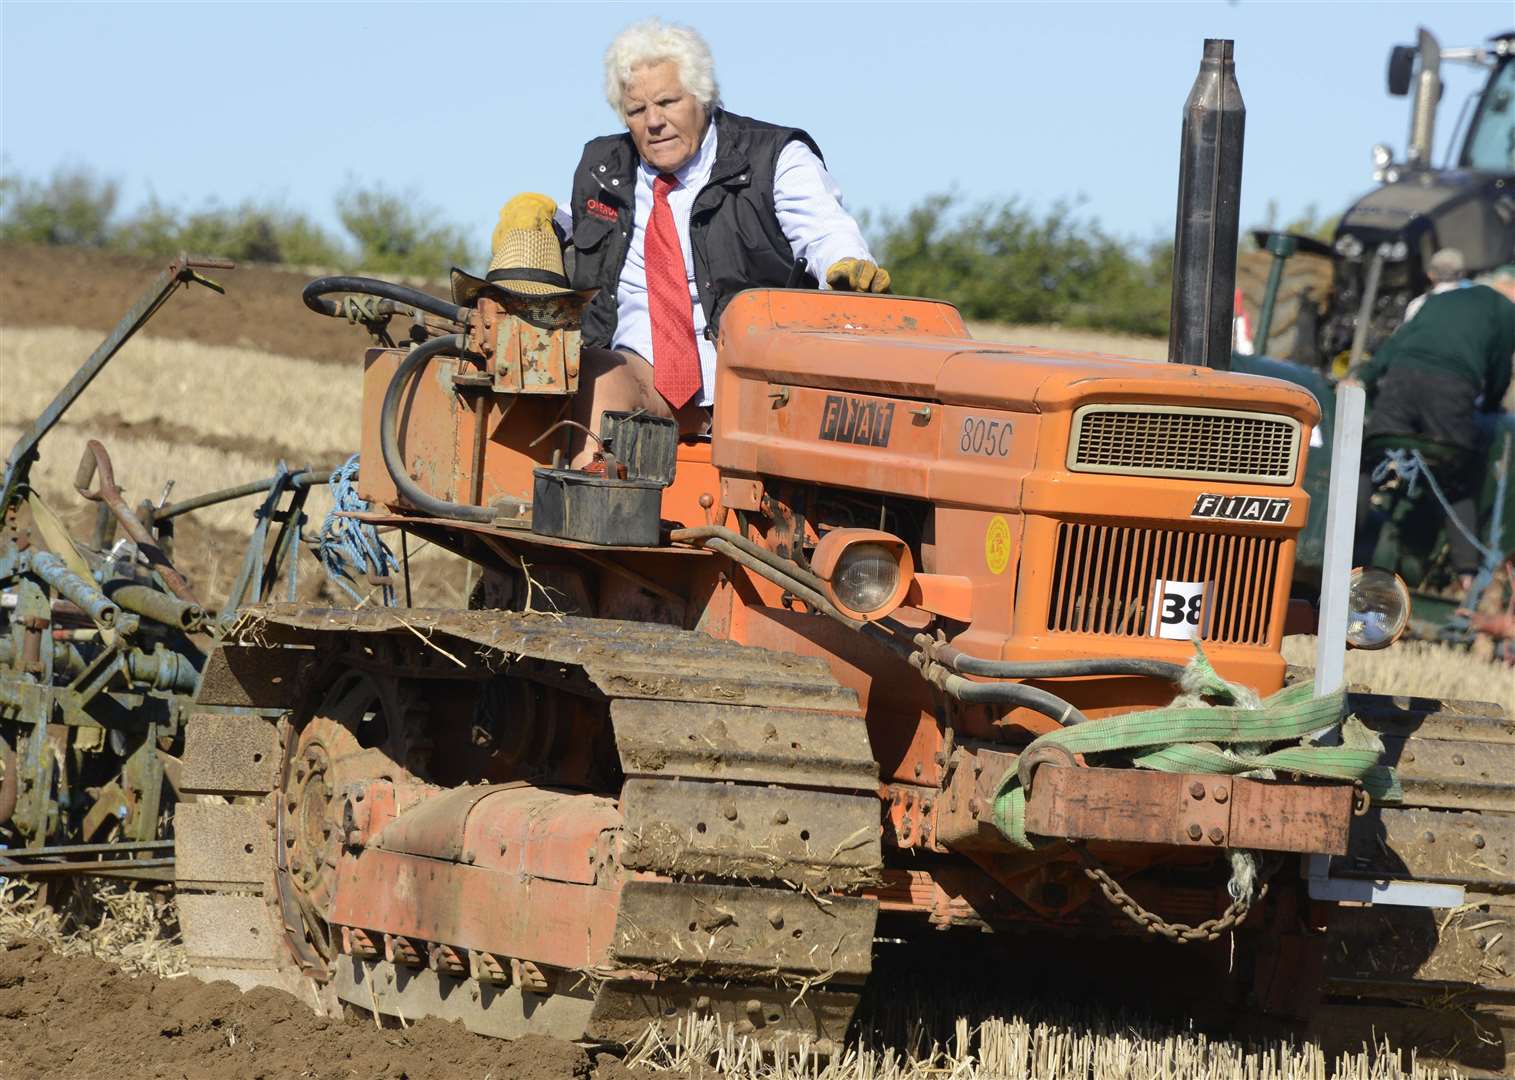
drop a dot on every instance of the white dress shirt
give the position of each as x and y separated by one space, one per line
807 202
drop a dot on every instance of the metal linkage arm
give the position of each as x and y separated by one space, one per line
181 271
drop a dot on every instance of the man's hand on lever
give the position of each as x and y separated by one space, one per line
857 275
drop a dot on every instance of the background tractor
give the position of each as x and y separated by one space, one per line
1323 308
1332 305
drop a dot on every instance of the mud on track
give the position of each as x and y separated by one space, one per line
82 1018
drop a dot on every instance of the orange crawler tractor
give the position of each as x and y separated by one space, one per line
893 653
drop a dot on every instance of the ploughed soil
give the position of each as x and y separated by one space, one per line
81 1018
50 286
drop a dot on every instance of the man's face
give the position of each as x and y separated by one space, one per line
666 122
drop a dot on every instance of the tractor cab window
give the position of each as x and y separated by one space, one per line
1491 140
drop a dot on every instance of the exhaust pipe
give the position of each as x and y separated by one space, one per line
1427 97
1209 198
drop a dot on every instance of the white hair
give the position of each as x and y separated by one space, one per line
653 41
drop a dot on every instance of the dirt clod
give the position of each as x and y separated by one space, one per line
81 1018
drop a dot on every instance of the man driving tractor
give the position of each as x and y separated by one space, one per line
668 221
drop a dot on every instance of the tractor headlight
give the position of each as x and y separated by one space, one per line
867 573
1349 247
866 576
1378 609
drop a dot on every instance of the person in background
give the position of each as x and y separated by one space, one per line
1447 271
674 216
1427 385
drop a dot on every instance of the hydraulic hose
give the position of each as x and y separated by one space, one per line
703 534
785 573
779 577
960 661
415 360
434 305
1012 693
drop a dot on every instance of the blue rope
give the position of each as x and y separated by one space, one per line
347 546
1410 467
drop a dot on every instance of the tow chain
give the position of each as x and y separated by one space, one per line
1178 933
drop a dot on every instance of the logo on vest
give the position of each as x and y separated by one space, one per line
600 210
1256 508
852 420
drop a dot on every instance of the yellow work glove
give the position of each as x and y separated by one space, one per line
530 211
857 275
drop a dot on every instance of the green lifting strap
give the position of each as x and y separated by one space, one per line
1228 738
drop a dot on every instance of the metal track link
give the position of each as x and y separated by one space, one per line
224 853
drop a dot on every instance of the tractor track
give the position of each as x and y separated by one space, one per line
1442 979
749 810
749 806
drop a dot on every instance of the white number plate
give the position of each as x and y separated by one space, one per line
1176 609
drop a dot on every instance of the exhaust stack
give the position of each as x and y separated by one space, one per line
1209 197
1427 97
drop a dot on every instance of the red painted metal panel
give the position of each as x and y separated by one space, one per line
550 922
1188 810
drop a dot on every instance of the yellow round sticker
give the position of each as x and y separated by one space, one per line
997 545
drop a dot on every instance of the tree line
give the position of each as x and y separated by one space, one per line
383 231
1001 261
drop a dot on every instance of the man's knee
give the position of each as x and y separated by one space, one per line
609 381
603 379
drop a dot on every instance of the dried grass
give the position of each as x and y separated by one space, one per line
1057 337
221 393
144 465
209 417
1422 668
136 929
1020 1048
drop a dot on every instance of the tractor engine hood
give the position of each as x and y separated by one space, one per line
1470 210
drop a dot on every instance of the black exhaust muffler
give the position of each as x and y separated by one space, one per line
1209 206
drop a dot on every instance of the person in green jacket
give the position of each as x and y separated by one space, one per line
1425 388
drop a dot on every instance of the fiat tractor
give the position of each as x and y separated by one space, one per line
929 640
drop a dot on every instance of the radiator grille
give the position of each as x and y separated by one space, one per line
1106 578
1200 444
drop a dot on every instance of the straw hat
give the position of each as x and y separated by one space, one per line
527 260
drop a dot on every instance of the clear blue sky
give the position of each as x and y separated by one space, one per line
465 104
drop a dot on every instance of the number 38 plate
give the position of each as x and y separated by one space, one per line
1176 609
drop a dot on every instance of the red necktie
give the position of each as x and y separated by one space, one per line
675 356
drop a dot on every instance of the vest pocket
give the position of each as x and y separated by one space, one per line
590 233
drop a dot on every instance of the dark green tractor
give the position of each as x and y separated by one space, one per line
1339 301
1413 539
1377 263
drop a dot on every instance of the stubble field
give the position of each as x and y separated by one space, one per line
213 394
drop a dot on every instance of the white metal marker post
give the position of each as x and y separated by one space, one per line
1331 647
1341 519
